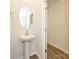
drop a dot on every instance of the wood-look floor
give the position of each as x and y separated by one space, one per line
53 53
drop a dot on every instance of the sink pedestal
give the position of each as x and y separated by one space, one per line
26 52
26 40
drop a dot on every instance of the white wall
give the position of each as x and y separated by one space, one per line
16 30
58 23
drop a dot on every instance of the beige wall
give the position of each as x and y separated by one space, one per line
58 23
16 30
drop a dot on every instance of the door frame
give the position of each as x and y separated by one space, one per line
44 27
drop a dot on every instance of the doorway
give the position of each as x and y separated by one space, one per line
57 33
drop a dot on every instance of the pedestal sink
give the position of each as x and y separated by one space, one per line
26 20
26 39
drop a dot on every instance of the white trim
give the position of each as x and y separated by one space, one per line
31 54
21 57
59 47
38 55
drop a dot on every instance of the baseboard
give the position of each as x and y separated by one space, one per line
31 54
38 55
59 49
21 57
35 53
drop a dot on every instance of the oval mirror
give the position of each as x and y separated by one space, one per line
25 17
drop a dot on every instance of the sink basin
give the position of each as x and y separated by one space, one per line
25 38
